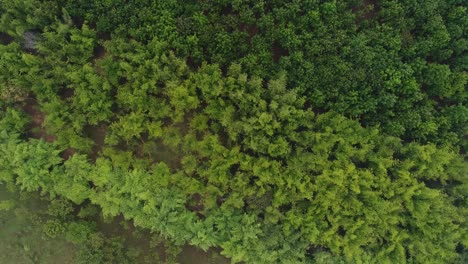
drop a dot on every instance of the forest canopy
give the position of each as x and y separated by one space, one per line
278 131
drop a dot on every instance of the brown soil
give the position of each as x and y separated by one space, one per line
5 39
77 21
99 52
195 205
157 152
36 129
68 153
104 35
252 30
278 52
66 93
98 135
368 10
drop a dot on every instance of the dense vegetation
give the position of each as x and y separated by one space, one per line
279 131
35 229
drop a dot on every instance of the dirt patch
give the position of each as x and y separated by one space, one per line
367 11
278 52
99 52
104 35
228 10
35 128
221 199
251 30
77 21
157 151
98 135
68 153
194 204
66 93
314 249
5 39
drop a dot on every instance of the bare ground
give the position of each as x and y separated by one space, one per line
36 128
368 10
5 39
98 135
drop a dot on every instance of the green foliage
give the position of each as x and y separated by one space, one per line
79 232
74 180
34 165
280 131
99 250
7 205
13 121
53 228
20 16
60 208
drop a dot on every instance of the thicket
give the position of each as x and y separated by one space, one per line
280 131
36 229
